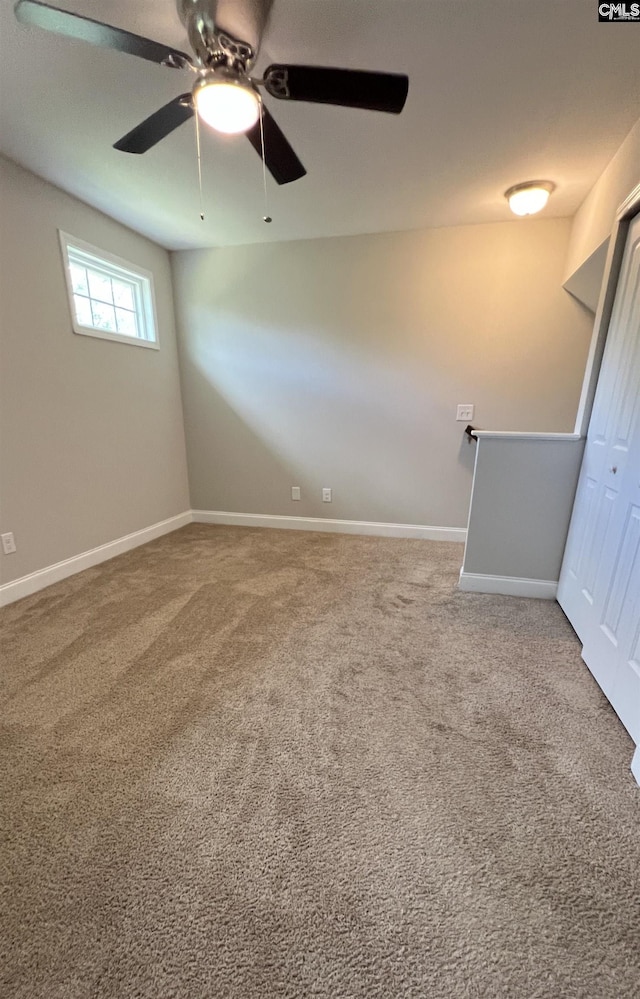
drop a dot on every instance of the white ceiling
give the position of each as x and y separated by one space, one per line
501 91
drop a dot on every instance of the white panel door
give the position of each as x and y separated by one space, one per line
599 588
612 648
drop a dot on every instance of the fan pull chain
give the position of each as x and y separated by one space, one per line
266 217
197 117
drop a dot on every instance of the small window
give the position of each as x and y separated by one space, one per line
108 297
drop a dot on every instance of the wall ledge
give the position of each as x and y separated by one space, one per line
511 586
382 530
512 435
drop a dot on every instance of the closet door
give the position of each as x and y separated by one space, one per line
612 649
599 587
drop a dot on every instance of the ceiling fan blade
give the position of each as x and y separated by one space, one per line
63 22
279 157
351 88
156 126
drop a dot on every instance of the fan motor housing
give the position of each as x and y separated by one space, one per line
225 31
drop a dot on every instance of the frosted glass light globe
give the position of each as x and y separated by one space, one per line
527 199
229 106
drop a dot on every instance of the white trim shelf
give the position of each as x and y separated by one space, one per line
530 436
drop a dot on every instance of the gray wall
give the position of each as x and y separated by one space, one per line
339 362
586 282
523 493
92 439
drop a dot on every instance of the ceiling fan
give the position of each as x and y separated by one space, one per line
224 94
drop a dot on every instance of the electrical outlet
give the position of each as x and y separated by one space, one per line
8 543
295 492
464 413
326 496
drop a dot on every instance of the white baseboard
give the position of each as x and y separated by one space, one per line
511 586
26 585
333 526
635 765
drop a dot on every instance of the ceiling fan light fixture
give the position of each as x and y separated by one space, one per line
530 197
227 104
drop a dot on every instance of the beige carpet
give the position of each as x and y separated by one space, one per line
255 764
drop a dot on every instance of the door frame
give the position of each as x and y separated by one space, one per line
629 208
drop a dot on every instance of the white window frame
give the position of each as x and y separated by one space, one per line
114 267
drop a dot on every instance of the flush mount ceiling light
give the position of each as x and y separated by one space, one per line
529 198
225 103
